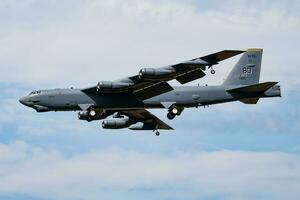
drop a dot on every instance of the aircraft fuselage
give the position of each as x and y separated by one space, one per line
183 96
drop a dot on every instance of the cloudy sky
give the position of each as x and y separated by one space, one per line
230 151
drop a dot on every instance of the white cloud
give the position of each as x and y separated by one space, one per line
9 154
60 43
94 40
113 173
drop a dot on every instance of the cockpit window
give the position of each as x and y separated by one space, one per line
35 92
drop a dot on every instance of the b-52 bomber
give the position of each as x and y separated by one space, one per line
127 99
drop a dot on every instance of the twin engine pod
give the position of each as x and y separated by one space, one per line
115 124
144 74
125 123
110 85
83 115
90 115
152 73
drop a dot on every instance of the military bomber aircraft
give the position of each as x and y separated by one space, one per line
127 99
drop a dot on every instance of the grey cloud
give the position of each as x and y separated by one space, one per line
235 175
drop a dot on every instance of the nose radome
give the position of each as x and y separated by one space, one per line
22 100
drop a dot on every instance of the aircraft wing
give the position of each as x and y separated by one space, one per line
151 82
151 122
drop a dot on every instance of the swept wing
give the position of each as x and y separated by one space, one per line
151 82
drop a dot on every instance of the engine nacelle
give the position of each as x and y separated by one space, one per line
151 73
115 124
140 126
84 116
92 114
108 85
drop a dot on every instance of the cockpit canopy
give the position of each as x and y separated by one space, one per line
35 92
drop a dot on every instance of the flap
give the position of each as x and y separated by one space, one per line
153 90
190 76
147 118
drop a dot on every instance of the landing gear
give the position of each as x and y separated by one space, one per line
212 71
157 133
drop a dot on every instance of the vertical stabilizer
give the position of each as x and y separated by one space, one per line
247 69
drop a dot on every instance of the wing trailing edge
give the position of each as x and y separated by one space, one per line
222 55
152 82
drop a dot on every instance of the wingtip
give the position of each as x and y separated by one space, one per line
254 50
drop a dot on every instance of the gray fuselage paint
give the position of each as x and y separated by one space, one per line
70 99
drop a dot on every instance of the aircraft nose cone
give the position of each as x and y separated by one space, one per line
24 101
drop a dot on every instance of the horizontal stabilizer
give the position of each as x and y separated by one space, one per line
250 100
256 88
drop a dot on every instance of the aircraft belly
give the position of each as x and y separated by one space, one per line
121 101
193 96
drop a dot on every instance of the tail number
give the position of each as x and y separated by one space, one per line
247 70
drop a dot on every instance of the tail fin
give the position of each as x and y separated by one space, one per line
247 69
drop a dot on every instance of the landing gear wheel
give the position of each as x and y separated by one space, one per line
157 133
212 71
170 116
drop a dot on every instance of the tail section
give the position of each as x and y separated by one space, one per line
253 89
253 100
247 69
252 93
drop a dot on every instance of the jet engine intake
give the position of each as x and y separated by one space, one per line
151 73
